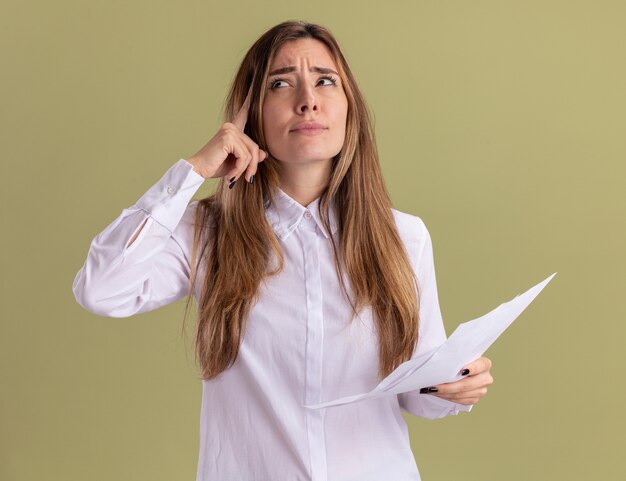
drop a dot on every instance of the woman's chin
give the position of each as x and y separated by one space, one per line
306 159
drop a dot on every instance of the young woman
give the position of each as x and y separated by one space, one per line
309 285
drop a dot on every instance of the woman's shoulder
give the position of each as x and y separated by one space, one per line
408 222
412 230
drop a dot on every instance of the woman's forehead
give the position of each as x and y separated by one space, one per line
290 53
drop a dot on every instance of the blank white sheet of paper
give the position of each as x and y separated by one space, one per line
442 365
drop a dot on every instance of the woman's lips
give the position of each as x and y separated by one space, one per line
316 131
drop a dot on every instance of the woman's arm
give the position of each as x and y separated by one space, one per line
139 262
431 333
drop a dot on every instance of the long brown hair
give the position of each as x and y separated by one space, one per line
235 241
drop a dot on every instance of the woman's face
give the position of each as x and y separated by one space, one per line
307 90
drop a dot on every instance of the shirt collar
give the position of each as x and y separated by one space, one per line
286 214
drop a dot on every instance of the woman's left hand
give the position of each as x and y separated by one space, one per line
468 390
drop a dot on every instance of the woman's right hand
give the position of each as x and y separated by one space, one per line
230 152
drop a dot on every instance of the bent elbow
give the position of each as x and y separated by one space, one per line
87 297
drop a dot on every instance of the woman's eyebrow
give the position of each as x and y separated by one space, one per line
291 68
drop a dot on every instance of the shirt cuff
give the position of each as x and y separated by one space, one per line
167 200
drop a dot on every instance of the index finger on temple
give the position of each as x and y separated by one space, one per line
242 116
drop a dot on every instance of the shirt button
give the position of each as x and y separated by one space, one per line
307 215
170 189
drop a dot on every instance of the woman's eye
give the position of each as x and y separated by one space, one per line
332 81
273 84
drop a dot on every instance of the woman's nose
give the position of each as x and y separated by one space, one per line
307 100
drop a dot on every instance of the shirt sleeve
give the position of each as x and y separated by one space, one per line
431 335
117 280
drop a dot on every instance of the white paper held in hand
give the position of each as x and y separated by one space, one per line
442 365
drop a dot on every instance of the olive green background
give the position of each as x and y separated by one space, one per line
501 124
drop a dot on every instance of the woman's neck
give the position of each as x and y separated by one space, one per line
305 182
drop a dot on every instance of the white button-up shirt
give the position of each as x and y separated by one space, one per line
299 348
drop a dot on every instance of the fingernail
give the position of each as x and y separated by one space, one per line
230 186
465 372
252 178
428 389
232 178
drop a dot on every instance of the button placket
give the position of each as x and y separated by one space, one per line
314 352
